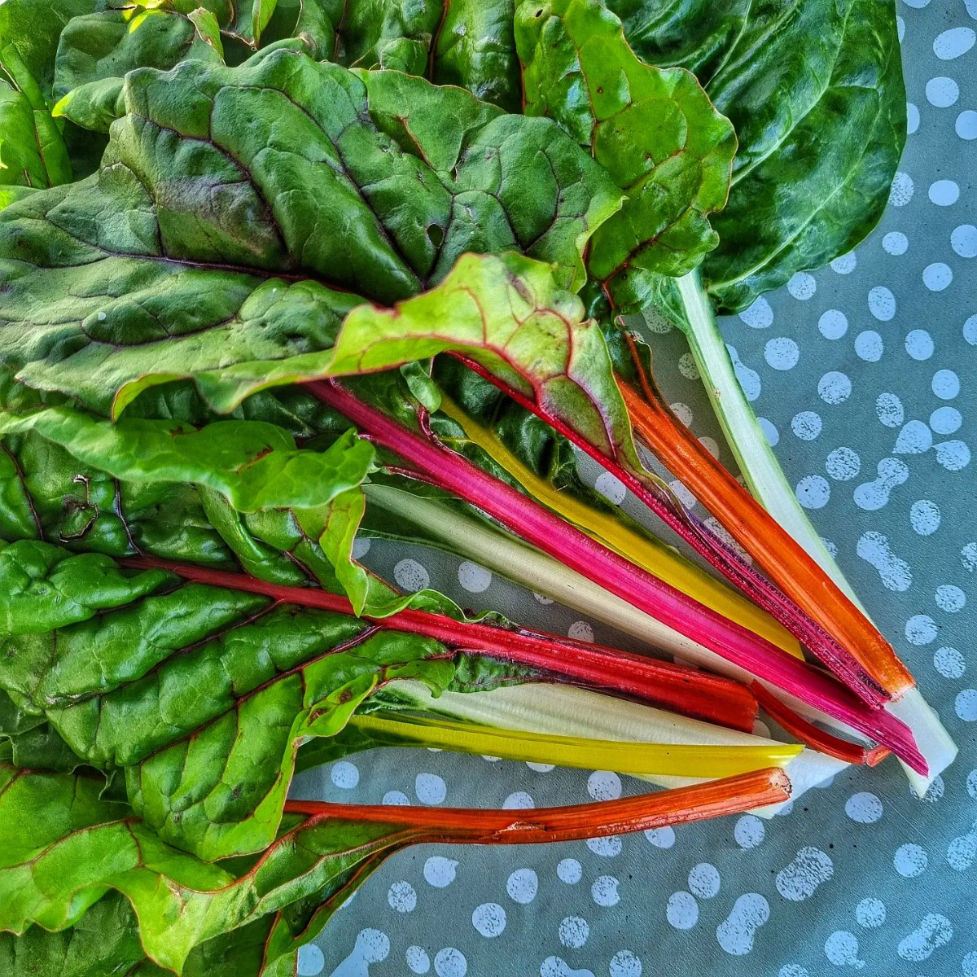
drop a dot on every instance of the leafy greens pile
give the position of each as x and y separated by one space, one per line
276 275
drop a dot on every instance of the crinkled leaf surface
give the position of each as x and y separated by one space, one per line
653 129
210 248
202 694
113 42
75 847
508 315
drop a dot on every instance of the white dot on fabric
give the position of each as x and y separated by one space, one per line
910 861
769 431
806 425
540 767
944 193
402 897
919 344
963 240
611 487
937 276
682 911
813 492
604 892
953 43
430 788
570 871
759 315
949 662
683 412
895 242
882 303
889 410
942 92
574 931
782 353
845 264
736 933
411 576
802 286
439 871
473 578
921 629
361 546
396 798
924 517
489 919
687 367
946 384
966 124
661 837
518 800
912 118
749 831
522 886
625 964
833 324
604 785
870 913
869 346
310 961
965 705
843 464
970 330
968 557
581 631
901 191
864 808
417 960
950 598
450 962
841 949
834 387
344 775
704 880
608 847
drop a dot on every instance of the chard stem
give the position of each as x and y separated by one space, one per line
575 549
573 823
697 694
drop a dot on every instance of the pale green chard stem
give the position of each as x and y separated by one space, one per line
766 481
755 457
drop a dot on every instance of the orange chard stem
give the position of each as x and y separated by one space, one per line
731 795
791 568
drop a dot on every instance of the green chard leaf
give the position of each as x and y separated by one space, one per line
98 50
202 695
653 129
59 863
231 253
814 164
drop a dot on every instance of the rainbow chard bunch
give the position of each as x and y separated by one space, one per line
276 276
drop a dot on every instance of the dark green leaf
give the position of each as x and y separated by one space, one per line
110 44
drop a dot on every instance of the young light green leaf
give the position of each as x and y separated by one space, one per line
221 279
653 129
60 861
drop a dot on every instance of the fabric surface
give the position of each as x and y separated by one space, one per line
865 375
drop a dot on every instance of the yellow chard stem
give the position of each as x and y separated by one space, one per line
662 759
647 552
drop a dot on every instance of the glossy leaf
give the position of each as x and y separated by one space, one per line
653 129
32 150
212 265
111 43
815 162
